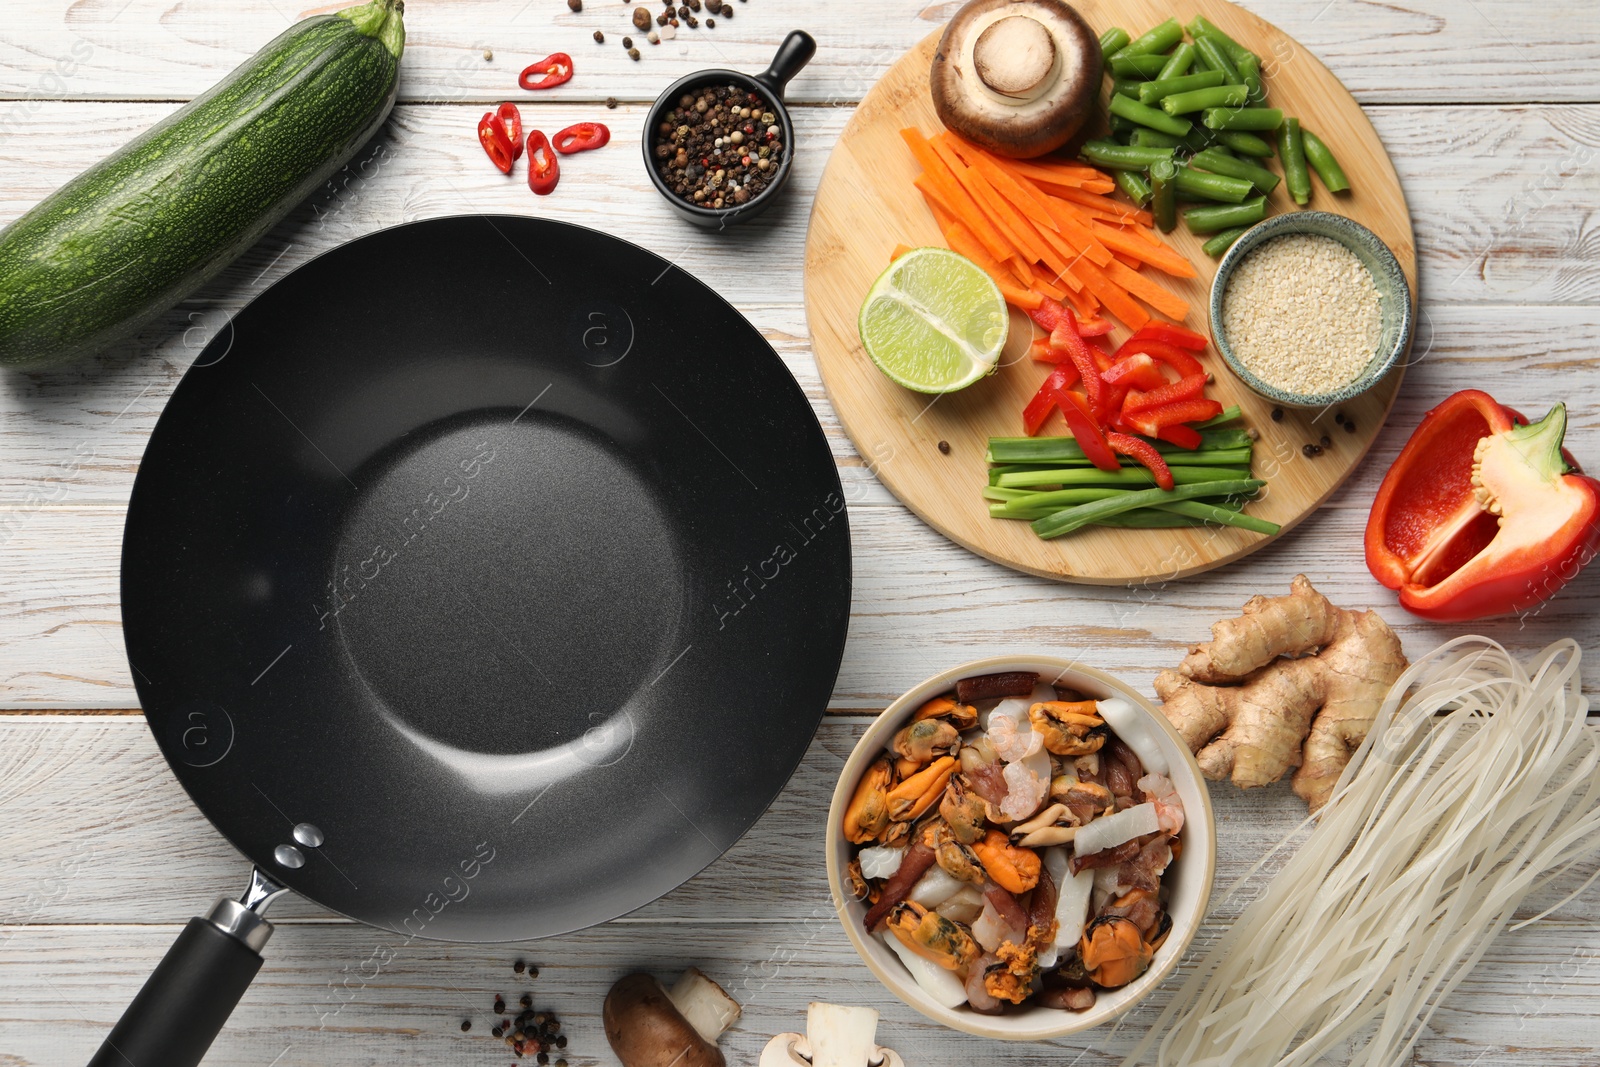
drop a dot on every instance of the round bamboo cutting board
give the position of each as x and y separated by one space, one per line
866 205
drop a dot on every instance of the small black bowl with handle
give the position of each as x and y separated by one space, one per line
795 52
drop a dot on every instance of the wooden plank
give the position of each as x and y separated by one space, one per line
162 49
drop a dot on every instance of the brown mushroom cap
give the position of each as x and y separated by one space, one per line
646 1029
1018 77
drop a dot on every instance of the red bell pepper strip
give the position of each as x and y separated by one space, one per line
1095 327
1041 351
1181 435
492 136
1049 314
556 69
1138 371
510 118
1173 356
1085 429
1172 334
1169 393
1144 452
1152 421
1044 401
1481 515
1065 338
581 137
544 167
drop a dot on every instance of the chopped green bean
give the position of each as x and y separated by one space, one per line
1156 39
1145 115
1122 125
1246 144
1199 139
1216 58
1113 40
1239 118
1144 137
1122 157
1127 86
1070 519
1292 150
1079 477
1223 241
1179 60
1250 72
1152 92
1322 161
1064 449
1200 26
1137 66
1164 194
1218 161
1133 186
1225 216
1200 99
1222 514
1205 186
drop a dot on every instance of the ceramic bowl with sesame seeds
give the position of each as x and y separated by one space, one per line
1310 309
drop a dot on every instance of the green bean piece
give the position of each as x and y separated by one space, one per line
1156 39
1179 60
1250 72
1219 513
1122 125
1137 66
1292 150
1246 144
1113 40
1122 157
1213 186
1145 137
1152 92
1238 118
1218 161
1133 186
1081 477
1201 26
1070 519
1200 99
1322 161
1199 139
1127 86
1149 116
1066 450
1216 57
1164 194
1223 241
1202 220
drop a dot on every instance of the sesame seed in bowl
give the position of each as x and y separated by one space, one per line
1310 309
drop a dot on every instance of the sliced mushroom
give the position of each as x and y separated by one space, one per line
648 1026
1018 77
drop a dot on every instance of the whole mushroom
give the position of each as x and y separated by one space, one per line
1018 77
651 1026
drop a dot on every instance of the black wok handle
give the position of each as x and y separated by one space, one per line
195 987
793 54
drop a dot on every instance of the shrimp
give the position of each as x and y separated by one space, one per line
1010 742
1159 790
1025 792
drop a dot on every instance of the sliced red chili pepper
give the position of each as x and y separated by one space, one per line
1171 334
1145 453
556 68
510 118
1173 356
544 166
581 137
495 143
1137 370
1182 436
1085 429
1065 338
1170 393
1044 401
1153 420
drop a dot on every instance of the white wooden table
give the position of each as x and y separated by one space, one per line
1491 109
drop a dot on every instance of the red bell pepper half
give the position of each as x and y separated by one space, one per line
581 137
556 69
544 167
1481 515
492 135
1144 452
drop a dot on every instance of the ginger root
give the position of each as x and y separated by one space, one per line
1250 713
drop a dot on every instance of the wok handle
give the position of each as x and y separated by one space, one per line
184 1004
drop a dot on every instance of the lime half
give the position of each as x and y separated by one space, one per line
934 321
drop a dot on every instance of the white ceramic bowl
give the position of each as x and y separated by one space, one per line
1187 881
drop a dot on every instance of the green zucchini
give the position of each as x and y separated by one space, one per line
147 226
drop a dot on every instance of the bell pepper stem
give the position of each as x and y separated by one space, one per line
1539 443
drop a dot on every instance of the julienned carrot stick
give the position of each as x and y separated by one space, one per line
1152 293
1001 179
1112 295
981 199
1129 244
1025 235
899 250
1103 205
1061 172
947 187
960 238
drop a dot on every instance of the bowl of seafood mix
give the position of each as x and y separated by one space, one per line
1021 848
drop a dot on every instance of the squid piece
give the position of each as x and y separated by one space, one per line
1068 728
918 858
867 815
921 791
932 936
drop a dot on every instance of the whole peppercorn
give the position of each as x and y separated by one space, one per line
627 42
575 5
641 18
611 102
633 54
599 38
944 447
